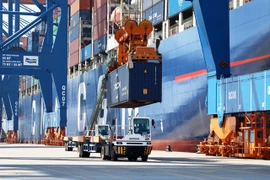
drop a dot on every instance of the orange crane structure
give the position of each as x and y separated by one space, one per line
133 40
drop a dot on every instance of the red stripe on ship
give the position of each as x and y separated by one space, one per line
204 71
190 75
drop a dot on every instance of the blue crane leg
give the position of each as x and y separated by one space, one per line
212 17
45 81
60 77
7 106
1 20
1 105
12 89
17 20
10 19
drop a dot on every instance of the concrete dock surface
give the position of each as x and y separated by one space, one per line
29 161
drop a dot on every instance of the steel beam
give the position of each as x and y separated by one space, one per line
1 114
13 95
1 20
212 18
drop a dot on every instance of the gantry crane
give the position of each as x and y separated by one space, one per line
49 64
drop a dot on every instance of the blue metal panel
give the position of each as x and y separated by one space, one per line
100 45
258 93
221 95
86 52
212 95
232 96
74 33
84 15
36 117
119 86
135 87
244 93
213 30
30 118
175 7
147 4
1 113
25 119
28 83
155 13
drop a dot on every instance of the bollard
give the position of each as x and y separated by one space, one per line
168 149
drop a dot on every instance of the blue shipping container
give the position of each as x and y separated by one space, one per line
175 7
100 45
84 15
86 52
155 13
147 4
135 87
74 33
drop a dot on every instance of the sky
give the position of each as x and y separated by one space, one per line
28 18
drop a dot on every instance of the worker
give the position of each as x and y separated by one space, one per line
158 42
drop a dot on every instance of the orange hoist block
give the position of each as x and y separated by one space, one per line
133 39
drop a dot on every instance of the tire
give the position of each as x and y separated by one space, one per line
70 148
144 158
82 153
113 155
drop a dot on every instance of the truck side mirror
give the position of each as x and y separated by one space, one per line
113 122
153 123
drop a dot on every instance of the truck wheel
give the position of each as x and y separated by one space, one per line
83 153
144 158
70 149
113 155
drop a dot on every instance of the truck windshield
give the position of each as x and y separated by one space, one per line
103 130
141 126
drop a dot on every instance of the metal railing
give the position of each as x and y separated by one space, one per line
173 30
188 23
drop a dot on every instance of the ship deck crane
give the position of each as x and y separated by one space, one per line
44 64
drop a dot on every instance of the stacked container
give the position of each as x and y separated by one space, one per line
100 26
155 13
80 13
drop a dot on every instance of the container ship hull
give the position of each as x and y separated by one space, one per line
181 119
